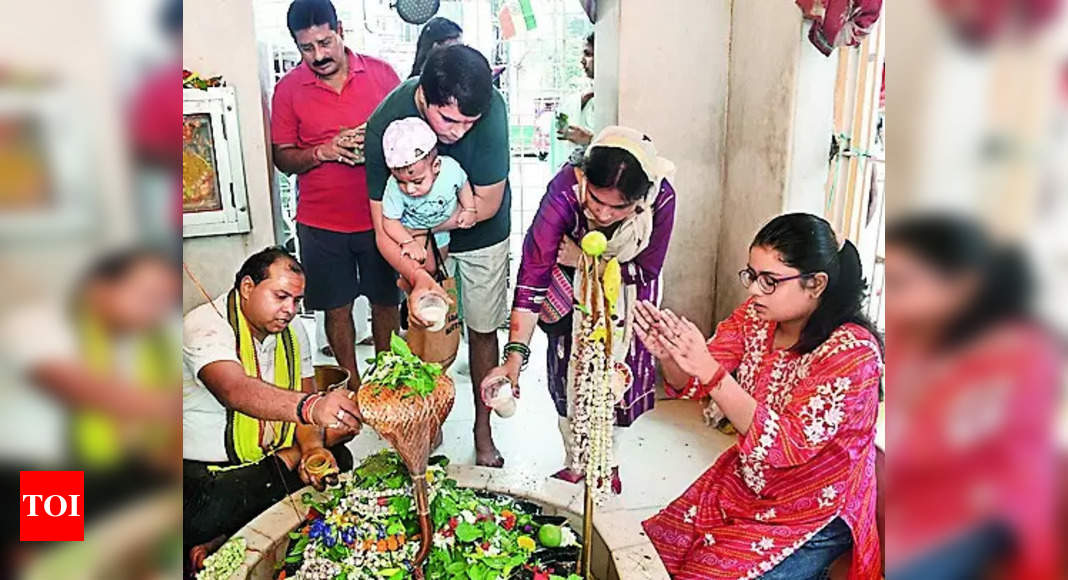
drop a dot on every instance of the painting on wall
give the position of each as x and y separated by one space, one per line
23 165
47 182
214 200
200 176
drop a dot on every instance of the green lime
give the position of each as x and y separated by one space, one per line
594 243
550 536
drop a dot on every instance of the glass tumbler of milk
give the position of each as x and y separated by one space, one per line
434 310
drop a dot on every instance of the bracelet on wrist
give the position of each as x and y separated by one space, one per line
300 409
520 348
717 379
309 419
311 409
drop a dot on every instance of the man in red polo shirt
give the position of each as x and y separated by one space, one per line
317 118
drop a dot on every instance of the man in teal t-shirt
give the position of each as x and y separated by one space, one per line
455 96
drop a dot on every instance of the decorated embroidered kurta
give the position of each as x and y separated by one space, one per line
808 457
974 442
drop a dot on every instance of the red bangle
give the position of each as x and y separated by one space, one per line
306 409
716 379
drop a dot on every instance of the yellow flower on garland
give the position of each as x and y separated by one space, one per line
613 281
526 543
598 334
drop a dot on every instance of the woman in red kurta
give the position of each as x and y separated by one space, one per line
976 386
796 368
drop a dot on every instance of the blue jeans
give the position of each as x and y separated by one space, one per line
966 557
811 560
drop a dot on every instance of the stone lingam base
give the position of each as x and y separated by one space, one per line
621 550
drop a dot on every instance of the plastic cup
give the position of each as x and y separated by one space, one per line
433 309
497 395
505 408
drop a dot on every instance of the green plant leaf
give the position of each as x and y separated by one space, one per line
339 552
398 346
399 369
298 548
401 504
477 572
466 532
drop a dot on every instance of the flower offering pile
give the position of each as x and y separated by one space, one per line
367 527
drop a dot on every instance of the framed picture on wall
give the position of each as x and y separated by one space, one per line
45 176
214 199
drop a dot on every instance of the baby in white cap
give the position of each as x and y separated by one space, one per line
424 191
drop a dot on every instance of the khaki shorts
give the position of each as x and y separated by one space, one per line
482 277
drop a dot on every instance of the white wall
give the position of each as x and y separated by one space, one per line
742 102
765 49
673 86
813 127
219 40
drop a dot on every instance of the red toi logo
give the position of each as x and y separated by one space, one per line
51 506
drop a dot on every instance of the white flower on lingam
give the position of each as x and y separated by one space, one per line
567 537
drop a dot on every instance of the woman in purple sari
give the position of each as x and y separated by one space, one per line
620 190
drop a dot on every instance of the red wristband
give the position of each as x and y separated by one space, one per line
717 378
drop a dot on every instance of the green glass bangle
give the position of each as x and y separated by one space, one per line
522 349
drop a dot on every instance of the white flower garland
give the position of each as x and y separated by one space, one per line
592 370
